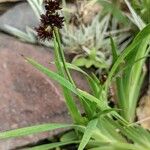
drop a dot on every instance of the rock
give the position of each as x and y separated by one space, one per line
7 4
27 97
1 1
19 17
143 111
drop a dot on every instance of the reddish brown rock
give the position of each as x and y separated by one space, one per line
27 97
143 111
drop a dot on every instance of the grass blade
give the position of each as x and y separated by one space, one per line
32 130
52 145
88 133
144 33
52 75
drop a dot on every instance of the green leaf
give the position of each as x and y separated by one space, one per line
114 49
32 130
107 111
69 136
52 145
18 33
113 8
67 86
99 64
74 67
88 133
100 103
36 7
108 128
64 72
52 75
81 61
89 63
136 19
144 33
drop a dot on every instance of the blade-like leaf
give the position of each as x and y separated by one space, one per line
88 133
52 145
144 33
32 130
52 75
114 49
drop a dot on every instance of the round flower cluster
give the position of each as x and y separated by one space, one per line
49 20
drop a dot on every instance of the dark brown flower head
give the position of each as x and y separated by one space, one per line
49 20
54 20
44 32
52 5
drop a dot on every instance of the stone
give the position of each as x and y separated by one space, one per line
19 17
28 97
2 1
143 111
7 4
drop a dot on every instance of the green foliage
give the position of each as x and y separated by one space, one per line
32 130
91 60
113 7
90 42
142 7
129 81
102 127
52 145
134 17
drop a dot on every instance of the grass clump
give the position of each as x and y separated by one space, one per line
101 127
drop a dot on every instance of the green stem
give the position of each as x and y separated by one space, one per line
59 58
62 57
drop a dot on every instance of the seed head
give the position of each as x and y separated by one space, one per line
54 20
52 5
49 20
44 32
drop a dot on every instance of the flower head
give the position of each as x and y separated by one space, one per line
44 32
54 20
49 20
52 5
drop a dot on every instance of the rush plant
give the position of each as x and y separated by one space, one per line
101 127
